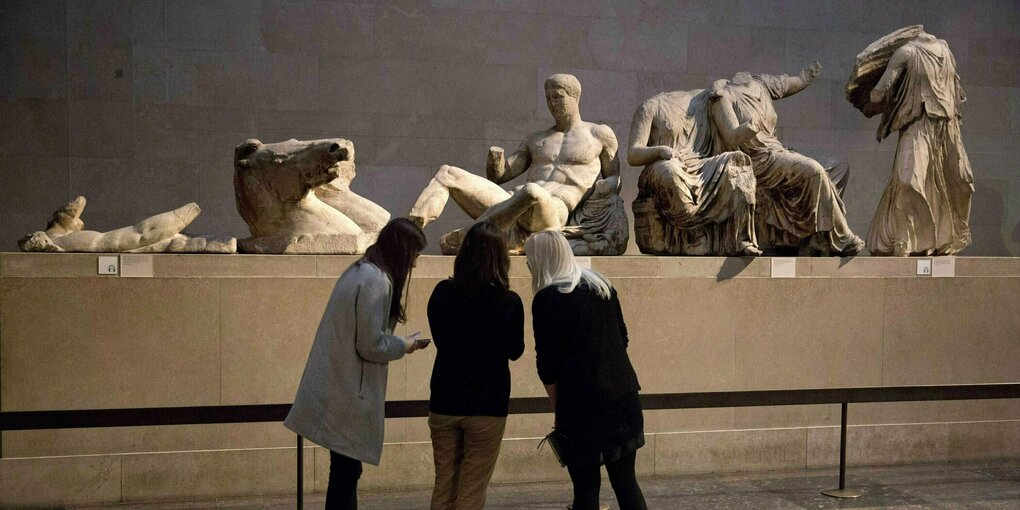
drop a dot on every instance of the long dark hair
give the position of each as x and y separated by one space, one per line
399 242
482 261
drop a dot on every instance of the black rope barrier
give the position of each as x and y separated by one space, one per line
260 413
255 413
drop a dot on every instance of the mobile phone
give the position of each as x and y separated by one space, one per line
421 343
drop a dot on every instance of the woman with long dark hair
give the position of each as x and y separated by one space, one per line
477 324
340 402
581 351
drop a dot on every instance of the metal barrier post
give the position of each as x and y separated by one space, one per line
842 491
300 473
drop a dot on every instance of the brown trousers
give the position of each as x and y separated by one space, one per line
464 449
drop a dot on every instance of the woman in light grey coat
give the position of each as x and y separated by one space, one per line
340 403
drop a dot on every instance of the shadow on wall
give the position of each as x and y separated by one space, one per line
987 221
732 267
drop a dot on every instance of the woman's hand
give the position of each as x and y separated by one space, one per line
409 342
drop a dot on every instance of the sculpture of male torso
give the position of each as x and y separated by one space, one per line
563 165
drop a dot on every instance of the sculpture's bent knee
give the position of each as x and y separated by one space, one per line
533 192
448 175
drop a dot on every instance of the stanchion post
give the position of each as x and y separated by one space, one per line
842 491
300 473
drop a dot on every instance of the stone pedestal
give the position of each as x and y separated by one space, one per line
224 330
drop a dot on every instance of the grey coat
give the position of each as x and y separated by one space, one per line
341 399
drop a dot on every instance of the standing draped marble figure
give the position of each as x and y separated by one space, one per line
925 209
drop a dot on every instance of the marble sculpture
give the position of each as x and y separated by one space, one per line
159 233
909 76
573 181
798 204
717 180
690 202
296 198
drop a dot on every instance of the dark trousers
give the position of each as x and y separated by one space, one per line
342 492
587 479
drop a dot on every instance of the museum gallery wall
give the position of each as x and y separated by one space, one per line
169 119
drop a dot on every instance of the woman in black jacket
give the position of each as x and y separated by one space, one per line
581 348
478 327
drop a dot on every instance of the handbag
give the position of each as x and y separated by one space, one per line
558 443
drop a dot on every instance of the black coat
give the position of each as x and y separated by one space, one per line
581 347
476 334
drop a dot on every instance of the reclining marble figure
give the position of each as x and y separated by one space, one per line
690 202
573 182
909 76
798 204
159 233
296 198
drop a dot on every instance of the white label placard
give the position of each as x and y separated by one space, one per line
784 267
584 262
108 264
136 266
924 267
943 267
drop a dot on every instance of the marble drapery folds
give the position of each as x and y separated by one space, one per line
798 204
925 208
690 202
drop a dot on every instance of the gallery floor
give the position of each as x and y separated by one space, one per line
984 485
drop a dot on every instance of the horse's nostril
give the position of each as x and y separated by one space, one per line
335 147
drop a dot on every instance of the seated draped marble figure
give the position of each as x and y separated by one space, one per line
295 197
798 204
690 202
159 233
573 180
909 76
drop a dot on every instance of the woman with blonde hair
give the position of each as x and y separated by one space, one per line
581 351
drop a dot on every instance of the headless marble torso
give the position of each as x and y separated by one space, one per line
752 103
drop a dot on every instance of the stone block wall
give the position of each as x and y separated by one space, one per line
234 330
138 104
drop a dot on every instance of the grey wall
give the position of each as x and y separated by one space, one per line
138 104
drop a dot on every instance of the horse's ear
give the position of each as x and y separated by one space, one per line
246 149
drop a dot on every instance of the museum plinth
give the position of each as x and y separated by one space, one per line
225 330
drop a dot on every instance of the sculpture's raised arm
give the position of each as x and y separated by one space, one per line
807 76
499 169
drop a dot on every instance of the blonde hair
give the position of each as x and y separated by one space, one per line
552 263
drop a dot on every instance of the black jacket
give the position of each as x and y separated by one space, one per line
581 346
475 334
